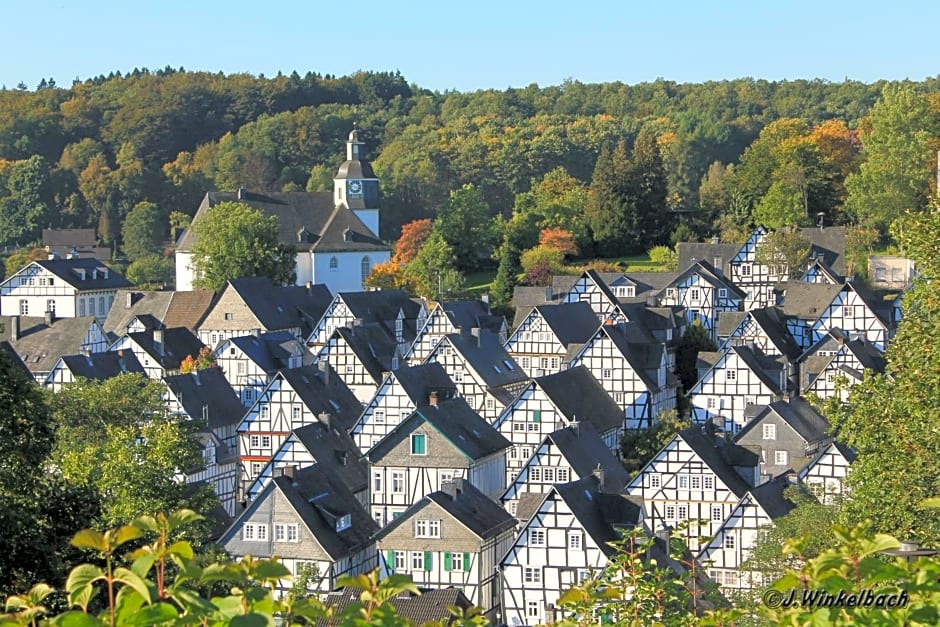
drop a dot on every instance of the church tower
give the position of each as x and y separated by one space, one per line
355 185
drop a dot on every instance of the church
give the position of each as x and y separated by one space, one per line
336 235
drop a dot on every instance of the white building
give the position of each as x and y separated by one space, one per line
69 288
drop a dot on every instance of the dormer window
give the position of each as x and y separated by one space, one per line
344 522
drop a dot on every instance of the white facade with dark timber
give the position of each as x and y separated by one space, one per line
704 294
590 288
755 279
69 288
445 318
854 315
250 361
541 343
691 479
834 365
825 474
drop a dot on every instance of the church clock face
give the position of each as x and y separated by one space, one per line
355 188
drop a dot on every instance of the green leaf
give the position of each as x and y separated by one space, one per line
152 615
80 580
76 619
193 603
127 602
143 564
89 539
147 523
181 548
269 570
182 517
251 620
932 502
126 534
129 578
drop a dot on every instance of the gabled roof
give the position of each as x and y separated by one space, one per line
585 451
644 358
828 244
40 345
372 344
281 306
690 252
578 396
380 305
457 422
207 394
141 303
419 381
488 358
482 516
729 321
645 283
322 391
706 271
572 323
771 498
881 308
306 220
818 266
189 309
431 606
796 412
759 365
838 447
70 271
177 344
721 456
270 351
319 501
464 314
101 366
806 301
601 514
337 453
774 323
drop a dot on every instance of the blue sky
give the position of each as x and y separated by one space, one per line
480 44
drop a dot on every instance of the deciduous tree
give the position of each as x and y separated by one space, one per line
144 230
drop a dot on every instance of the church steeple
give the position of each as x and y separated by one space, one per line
355 185
354 146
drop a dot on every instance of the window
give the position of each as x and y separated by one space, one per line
228 315
379 416
532 426
457 561
710 402
398 482
24 307
574 540
532 609
670 292
458 376
607 373
400 561
256 468
695 293
745 269
254 441
255 532
524 362
683 482
285 532
334 264
709 483
729 541
655 480
532 575
518 426
670 512
695 482
50 305
266 441
731 375
848 311
365 267
722 292
548 475
427 529
683 512
81 307
419 445
535 473
101 308
295 413
780 458
717 513
562 475
417 560
537 537
831 377
770 432
490 403
543 363
240 368
249 395
376 481
555 363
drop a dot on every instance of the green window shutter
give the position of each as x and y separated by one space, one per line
390 558
466 562
447 560
427 560
537 416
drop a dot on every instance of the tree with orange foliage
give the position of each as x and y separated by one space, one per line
413 236
387 275
204 361
559 239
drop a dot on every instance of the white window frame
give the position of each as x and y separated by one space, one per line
537 537
781 458
769 431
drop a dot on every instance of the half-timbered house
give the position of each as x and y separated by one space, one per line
92 367
567 454
453 537
485 374
564 541
399 314
704 294
766 328
591 288
318 443
819 272
836 363
553 402
856 312
449 317
399 395
548 336
68 288
294 398
40 342
207 397
695 480
250 361
438 442
825 474
740 377
159 350
312 523
362 355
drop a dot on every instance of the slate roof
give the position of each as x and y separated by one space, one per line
332 397
40 345
337 453
68 237
797 413
7 348
178 343
707 271
525 297
456 421
643 358
464 314
419 381
101 366
373 345
601 514
646 284
721 456
482 516
308 221
572 323
820 266
484 351
760 365
431 606
270 351
120 314
383 306
770 497
582 446
880 307
806 301
828 244
208 394
188 309
579 396
280 307
689 252
728 321
774 323
69 270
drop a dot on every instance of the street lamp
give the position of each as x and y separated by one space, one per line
910 551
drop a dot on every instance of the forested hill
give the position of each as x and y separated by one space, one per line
85 155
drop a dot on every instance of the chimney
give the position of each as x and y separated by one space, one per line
286 471
548 293
128 300
158 342
256 332
196 377
324 369
599 473
326 419
14 328
432 399
94 274
452 487
716 239
104 273
241 194
50 317
343 457
485 299
575 427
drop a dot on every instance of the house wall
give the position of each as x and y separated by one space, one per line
347 276
388 407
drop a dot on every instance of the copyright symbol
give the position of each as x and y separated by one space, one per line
772 598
